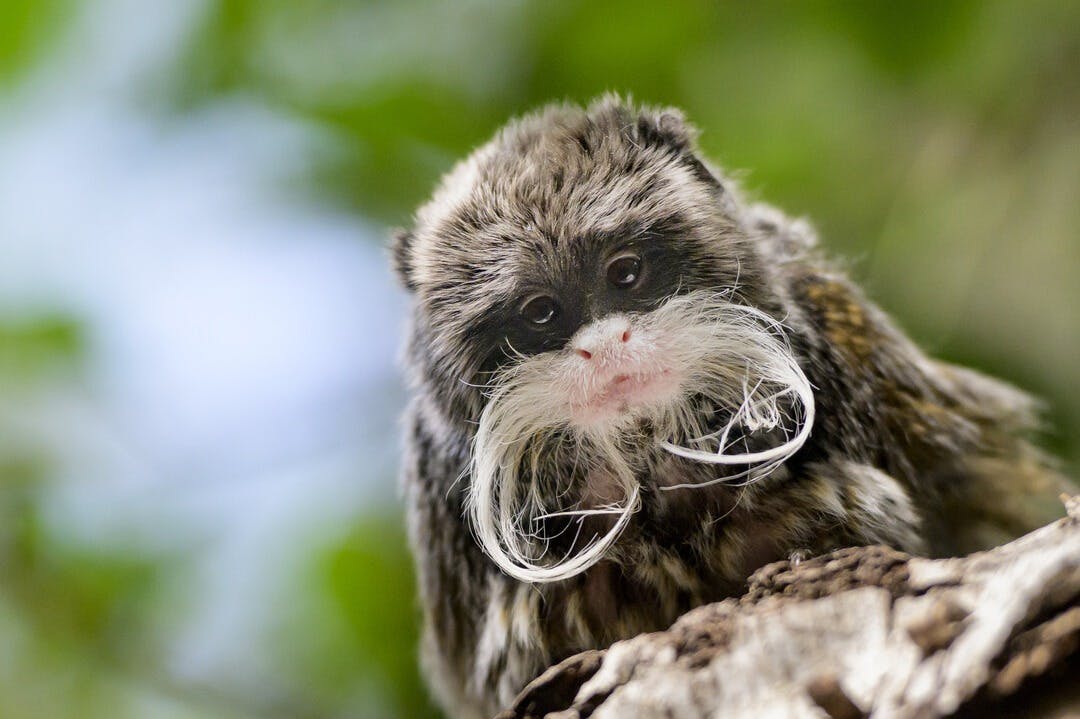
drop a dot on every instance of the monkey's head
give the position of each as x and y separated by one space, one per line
588 292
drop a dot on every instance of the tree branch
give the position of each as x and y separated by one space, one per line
857 633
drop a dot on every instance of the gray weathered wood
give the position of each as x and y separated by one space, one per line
859 632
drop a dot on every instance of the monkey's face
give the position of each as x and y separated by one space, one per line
584 287
557 238
579 317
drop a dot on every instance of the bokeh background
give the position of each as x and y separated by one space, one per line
198 327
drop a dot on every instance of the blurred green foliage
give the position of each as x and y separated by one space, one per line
948 124
936 144
68 613
27 28
355 622
36 347
77 594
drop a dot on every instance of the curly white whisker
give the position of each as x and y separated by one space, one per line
735 358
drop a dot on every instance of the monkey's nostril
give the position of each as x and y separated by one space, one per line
586 354
626 336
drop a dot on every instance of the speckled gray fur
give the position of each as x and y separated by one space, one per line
905 451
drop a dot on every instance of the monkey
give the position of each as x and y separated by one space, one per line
632 386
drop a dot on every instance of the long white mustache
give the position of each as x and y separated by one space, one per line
735 357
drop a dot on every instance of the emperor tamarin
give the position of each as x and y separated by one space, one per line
633 387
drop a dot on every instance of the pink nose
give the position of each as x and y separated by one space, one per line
601 337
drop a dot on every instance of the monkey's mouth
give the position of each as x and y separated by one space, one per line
625 392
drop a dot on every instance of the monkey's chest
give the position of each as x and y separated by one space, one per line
618 600
692 541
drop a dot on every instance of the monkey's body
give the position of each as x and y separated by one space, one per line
904 451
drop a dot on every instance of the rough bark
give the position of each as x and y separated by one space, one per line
862 632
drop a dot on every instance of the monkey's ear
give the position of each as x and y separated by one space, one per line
401 254
667 127
790 236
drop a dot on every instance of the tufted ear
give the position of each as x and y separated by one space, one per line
668 127
641 125
790 237
401 254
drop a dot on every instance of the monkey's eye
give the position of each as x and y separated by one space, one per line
624 271
539 310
